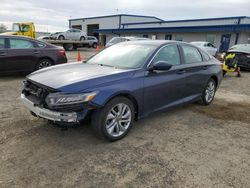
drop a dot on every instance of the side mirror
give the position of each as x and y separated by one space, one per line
161 66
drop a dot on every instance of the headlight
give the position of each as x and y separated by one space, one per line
59 99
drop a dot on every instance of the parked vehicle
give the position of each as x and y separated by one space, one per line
91 41
23 54
70 34
121 84
242 55
206 46
23 29
116 40
43 38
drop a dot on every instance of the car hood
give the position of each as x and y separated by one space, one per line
56 33
76 77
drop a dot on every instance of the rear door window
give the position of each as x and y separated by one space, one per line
40 45
191 54
20 44
2 43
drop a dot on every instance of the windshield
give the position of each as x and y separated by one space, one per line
15 27
25 28
128 56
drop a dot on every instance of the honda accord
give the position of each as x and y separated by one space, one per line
121 84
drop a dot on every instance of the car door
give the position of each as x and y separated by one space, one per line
77 34
68 34
165 88
72 34
22 54
3 56
196 69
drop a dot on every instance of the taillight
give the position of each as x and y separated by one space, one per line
221 65
62 52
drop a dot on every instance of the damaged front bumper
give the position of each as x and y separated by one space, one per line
63 117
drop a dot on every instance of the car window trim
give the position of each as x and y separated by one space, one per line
4 43
165 45
9 38
38 42
184 60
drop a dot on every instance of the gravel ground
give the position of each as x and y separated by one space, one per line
189 146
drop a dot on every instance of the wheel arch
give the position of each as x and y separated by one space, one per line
61 34
128 96
46 57
214 77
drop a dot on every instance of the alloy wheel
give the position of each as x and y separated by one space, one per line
44 64
210 92
118 120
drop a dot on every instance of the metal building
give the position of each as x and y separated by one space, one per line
222 32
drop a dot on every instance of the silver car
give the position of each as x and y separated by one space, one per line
91 41
206 46
116 40
71 34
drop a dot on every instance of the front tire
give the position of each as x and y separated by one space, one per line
61 37
208 93
114 120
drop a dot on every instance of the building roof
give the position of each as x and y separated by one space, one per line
115 15
188 20
209 28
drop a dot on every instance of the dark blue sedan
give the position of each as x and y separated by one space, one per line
123 83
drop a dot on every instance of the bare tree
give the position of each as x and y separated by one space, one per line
3 28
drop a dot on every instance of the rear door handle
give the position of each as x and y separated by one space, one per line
3 53
37 52
181 72
205 67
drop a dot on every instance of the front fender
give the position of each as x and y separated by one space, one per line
102 98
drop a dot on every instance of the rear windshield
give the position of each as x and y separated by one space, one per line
241 48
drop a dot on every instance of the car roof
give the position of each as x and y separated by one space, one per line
154 42
15 36
27 38
199 42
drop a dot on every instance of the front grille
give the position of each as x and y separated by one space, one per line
36 92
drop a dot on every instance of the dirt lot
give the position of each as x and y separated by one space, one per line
190 146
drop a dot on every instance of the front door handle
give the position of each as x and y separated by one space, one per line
3 54
37 52
181 72
205 67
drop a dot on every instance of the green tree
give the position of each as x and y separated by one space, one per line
3 28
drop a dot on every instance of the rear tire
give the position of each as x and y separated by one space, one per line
43 63
208 93
82 38
94 45
114 120
68 47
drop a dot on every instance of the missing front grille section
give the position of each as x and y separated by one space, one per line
36 92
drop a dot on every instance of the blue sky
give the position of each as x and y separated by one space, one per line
53 16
